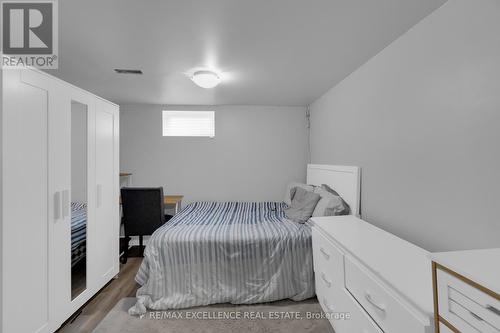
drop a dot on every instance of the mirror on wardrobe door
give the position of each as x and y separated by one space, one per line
78 198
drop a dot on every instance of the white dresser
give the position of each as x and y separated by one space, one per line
467 291
368 280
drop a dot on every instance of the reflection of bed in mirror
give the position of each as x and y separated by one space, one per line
78 248
78 232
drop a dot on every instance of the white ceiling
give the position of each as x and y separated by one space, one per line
272 52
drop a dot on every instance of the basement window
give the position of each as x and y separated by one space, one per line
189 123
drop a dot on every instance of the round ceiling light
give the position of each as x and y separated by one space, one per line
206 79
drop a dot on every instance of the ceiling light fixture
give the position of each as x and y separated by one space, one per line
206 79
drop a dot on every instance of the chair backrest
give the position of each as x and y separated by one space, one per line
143 210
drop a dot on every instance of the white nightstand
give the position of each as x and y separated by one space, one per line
467 291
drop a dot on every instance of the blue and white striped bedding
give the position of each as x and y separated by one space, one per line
78 232
234 252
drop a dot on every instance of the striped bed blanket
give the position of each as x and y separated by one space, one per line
78 232
236 252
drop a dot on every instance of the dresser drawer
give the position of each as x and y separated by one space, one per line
327 297
464 306
343 312
389 312
360 321
328 260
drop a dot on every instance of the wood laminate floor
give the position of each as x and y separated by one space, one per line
99 306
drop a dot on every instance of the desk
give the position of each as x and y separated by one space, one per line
173 200
127 176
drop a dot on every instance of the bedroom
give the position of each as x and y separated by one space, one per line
205 189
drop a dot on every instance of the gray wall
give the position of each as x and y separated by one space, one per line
255 152
422 119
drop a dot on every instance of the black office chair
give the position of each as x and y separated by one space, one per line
143 212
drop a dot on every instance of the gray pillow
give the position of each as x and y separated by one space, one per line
331 203
302 205
290 191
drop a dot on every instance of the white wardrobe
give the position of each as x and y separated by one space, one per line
46 172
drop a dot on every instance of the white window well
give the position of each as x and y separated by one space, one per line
189 123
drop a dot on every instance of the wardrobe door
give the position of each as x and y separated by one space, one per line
105 231
68 180
25 204
80 210
59 174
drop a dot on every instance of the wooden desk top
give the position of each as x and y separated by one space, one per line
125 174
168 199
172 199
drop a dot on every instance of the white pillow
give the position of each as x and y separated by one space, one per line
329 204
290 186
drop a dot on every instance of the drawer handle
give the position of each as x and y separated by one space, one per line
326 254
370 300
476 316
328 306
493 309
327 282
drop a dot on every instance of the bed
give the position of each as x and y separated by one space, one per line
78 232
234 252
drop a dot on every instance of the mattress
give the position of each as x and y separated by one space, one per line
236 252
78 232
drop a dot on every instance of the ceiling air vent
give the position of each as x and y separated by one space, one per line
128 71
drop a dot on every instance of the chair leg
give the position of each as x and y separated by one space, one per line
141 247
124 257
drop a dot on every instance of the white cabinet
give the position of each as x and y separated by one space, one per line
36 239
59 175
382 282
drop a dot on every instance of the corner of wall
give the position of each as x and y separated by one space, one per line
1 199
308 125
